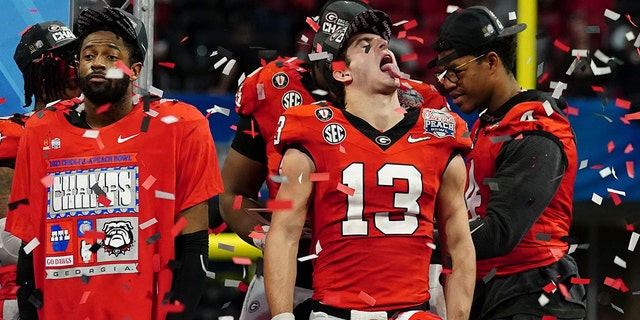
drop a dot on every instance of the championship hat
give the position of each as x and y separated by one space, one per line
39 39
336 15
467 30
116 20
370 21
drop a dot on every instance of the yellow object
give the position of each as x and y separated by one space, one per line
225 246
526 59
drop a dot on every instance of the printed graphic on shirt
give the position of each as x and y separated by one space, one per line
93 191
439 123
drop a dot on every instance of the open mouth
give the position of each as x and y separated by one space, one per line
386 60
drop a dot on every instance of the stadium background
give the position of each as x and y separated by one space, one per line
186 32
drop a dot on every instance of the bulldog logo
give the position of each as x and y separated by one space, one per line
118 237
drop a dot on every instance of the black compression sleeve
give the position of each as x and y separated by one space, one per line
528 174
254 148
25 278
188 276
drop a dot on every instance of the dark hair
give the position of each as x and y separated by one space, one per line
47 78
505 48
135 54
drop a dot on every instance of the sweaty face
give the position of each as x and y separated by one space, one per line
99 52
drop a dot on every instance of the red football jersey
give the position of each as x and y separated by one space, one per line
102 204
11 128
277 86
373 217
556 218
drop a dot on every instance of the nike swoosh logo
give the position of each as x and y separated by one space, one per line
411 139
125 139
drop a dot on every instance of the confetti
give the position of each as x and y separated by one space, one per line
91 134
550 287
31 245
400 110
367 298
611 15
605 172
617 308
279 204
220 62
320 92
402 34
316 56
543 300
583 164
548 317
345 189
227 68
148 182
103 108
120 65
307 258
241 260
615 198
610 146
220 228
177 228
599 70
320 176
85 297
561 46
114 73
417 39
617 260
148 223
231 283
217 109
256 235
313 24
260 88
153 238
279 179
47 181
169 119
596 199
409 57
93 234
338 66
580 281
489 275
547 106
164 195
175 307
452 8
184 39
103 200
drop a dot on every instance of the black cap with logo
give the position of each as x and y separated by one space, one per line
39 39
467 30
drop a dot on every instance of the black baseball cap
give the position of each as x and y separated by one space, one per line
467 30
336 15
370 21
116 20
39 39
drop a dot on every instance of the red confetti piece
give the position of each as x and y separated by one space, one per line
3 100
564 291
103 108
548 318
165 64
120 65
543 77
580 280
447 271
629 227
338 66
243 287
47 181
632 116
85 296
519 137
610 146
630 170
624 104
414 38
149 182
616 198
156 262
233 127
409 57
342 149
549 287
220 228
400 110
628 149
256 235
597 166
258 228
103 200
241 260
367 298
402 34
175 230
237 202
341 187
32 10
630 21
321 176
175 307
314 25
410 25
184 39
597 89
93 234
279 204
561 46
572 111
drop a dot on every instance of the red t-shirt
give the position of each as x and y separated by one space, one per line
11 128
277 86
109 184
373 217
532 251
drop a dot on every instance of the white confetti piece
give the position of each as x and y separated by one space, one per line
617 260
231 283
601 56
217 109
452 8
431 245
164 195
304 39
622 193
318 56
31 245
307 258
399 23
320 92
629 36
148 223
596 199
539 69
260 90
220 62
580 52
512 16
633 241
476 228
605 172
318 247
572 248
114 73
152 113
91 134
599 71
557 92
573 66
543 300
227 69
169 119
617 308
583 164
214 53
611 14
225 317
156 91
279 179
241 79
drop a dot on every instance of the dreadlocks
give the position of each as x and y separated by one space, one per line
47 78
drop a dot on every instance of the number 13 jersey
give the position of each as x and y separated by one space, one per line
372 218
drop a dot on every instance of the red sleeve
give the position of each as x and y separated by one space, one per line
198 174
10 133
290 129
247 94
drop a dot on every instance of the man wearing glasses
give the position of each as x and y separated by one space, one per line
521 174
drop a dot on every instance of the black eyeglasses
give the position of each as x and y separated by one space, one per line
452 74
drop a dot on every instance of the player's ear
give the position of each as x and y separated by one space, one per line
342 76
135 70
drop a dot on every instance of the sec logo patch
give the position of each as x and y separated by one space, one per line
291 98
